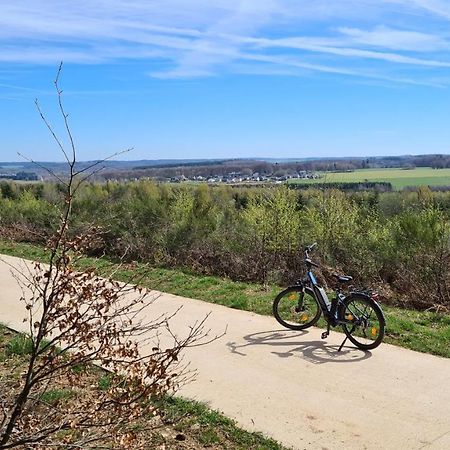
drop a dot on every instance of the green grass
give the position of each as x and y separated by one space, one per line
421 331
19 345
22 345
399 178
54 396
212 428
104 382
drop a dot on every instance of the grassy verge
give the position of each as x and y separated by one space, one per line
180 424
421 331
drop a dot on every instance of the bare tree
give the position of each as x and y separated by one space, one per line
77 319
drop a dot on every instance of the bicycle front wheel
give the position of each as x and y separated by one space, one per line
296 308
364 323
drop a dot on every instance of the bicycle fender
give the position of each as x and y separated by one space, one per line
358 294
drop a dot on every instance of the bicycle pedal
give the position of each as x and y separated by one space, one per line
324 335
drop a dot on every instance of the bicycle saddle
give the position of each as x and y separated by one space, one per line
343 278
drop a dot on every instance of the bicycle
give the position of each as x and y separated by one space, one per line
300 306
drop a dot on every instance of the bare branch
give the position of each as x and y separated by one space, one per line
53 174
96 163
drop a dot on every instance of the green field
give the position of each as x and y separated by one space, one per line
399 178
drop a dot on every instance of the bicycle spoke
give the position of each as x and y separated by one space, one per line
363 325
296 309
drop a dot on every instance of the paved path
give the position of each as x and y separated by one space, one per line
297 388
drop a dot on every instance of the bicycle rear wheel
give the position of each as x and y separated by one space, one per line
296 308
364 321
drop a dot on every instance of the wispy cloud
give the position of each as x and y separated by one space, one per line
197 39
437 7
394 39
317 46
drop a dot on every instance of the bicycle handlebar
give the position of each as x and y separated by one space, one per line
307 259
311 247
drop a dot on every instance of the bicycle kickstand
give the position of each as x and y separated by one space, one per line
344 341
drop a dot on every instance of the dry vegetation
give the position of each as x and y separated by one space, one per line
173 424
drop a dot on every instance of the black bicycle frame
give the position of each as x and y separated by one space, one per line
330 308
316 288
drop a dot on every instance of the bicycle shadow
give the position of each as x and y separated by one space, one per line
315 351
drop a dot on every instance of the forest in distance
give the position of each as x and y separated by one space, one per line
396 241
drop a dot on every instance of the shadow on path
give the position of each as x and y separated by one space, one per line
285 343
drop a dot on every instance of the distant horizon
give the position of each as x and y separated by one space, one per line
312 158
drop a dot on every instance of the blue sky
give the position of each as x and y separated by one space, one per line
227 78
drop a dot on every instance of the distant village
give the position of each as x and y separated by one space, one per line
237 177
20 176
228 178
